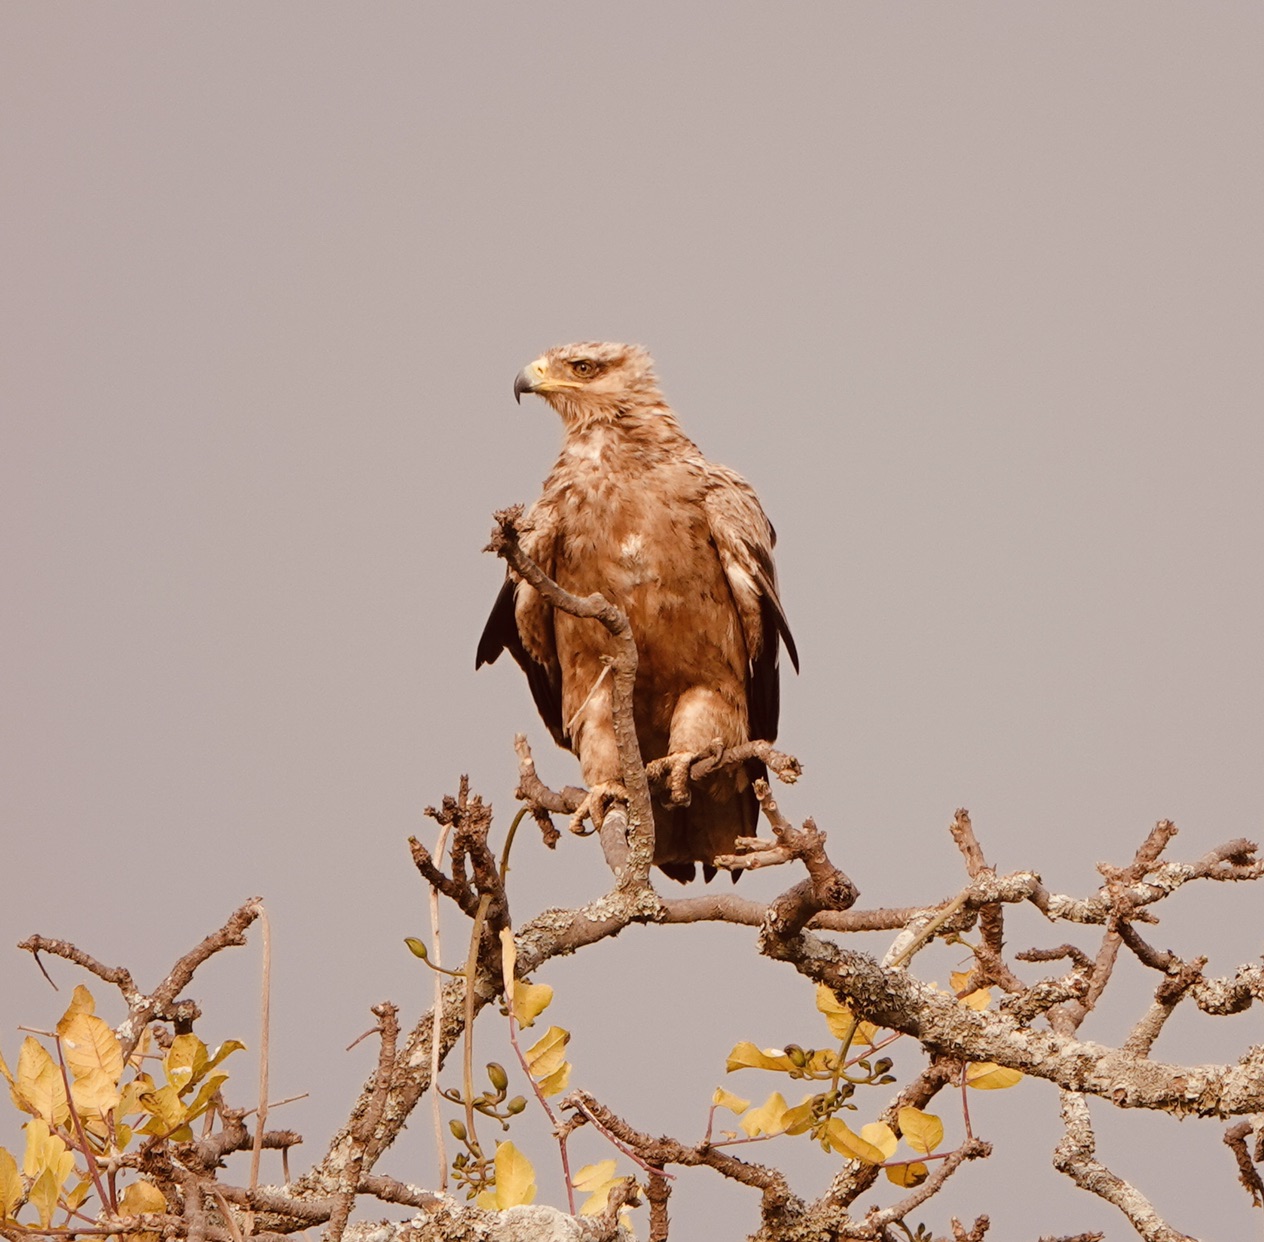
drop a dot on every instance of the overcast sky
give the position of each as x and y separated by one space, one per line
970 292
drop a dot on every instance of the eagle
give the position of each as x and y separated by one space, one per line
633 510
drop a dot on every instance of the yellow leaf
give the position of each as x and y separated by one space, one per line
515 1178
185 1062
129 1100
228 1047
979 999
4 1069
37 1134
880 1135
78 1195
746 1056
508 959
596 1180
768 1118
39 1088
726 1099
593 1175
530 1000
846 1142
866 1033
799 1119
81 1004
206 1095
839 1018
94 1092
547 1053
556 1082
43 1197
167 1113
988 1076
486 1199
94 1056
141 1197
837 1015
907 1175
96 1124
46 1153
922 1131
11 1188
142 1049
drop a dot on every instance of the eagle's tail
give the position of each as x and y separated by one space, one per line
724 807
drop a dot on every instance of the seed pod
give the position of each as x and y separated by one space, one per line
417 947
516 1105
497 1076
458 1129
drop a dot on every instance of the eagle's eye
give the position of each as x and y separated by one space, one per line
582 366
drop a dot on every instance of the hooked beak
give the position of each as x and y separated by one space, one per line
529 379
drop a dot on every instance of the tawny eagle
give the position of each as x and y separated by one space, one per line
632 509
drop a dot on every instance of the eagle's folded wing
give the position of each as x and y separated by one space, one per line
744 538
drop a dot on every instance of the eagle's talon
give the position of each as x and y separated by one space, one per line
597 801
672 771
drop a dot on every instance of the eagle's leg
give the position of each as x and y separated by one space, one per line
597 801
673 770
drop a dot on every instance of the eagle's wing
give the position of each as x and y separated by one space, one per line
522 624
744 538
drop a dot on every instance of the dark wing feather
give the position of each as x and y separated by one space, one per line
766 578
763 681
744 538
501 634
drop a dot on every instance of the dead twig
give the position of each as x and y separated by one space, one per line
1235 1138
363 1130
160 1004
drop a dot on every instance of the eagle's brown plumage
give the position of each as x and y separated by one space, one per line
633 510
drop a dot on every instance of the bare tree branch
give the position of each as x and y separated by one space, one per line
1075 1156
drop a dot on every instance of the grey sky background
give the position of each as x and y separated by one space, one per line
971 293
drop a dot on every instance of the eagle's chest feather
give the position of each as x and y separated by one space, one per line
631 522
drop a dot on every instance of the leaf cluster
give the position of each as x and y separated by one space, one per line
94 1113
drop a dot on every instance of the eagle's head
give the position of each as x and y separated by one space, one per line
591 381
